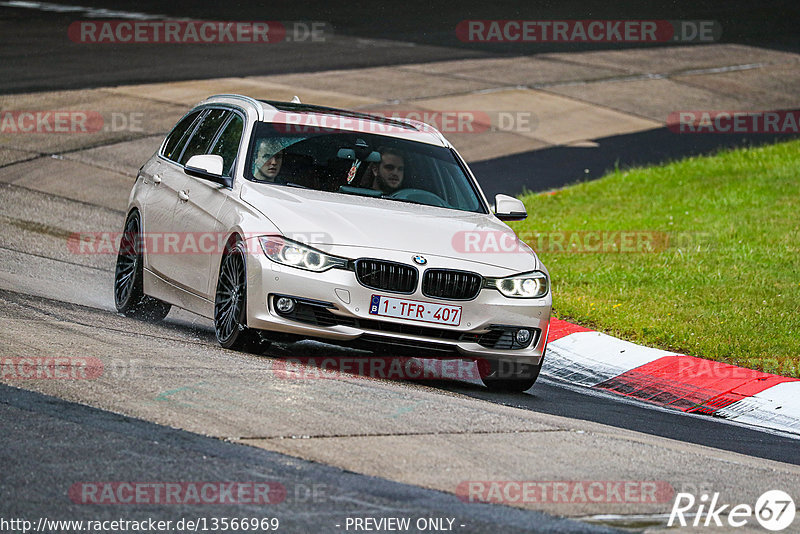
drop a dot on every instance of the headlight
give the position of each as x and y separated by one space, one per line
294 254
522 286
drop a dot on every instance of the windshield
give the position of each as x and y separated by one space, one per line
365 164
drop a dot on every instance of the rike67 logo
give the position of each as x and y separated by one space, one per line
774 510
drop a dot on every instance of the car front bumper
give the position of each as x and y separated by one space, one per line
348 302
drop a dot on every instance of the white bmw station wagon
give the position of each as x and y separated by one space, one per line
286 221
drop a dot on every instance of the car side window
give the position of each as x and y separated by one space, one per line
178 136
227 144
204 134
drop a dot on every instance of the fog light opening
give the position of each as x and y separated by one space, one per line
523 336
284 305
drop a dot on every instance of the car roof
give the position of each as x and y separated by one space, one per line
313 117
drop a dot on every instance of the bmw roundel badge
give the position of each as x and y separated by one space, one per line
420 260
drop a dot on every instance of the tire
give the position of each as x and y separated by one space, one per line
230 302
129 297
508 377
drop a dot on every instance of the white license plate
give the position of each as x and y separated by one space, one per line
415 310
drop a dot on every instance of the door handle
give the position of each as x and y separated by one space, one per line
156 179
183 195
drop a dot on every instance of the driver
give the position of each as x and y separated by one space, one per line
387 176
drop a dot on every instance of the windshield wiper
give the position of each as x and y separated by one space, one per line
406 200
364 192
360 191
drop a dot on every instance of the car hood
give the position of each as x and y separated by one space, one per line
323 218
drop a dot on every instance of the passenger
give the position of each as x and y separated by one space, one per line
387 176
268 165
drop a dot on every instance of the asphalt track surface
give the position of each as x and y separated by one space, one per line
34 55
549 396
546 169
39 472
48 443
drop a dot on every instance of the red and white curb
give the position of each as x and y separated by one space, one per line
596 360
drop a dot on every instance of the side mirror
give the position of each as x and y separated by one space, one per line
207 167
508 208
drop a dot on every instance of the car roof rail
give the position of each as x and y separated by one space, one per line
250 100
313 108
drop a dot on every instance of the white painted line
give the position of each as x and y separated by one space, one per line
777 407
94 12
589 358
633 401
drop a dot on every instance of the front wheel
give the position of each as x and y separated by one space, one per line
509 377
129 297
230 302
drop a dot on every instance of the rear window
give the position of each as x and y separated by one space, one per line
227 144
178 136
203 135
